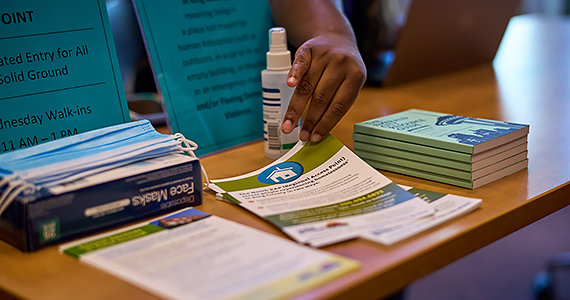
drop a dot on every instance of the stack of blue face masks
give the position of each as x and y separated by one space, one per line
74 157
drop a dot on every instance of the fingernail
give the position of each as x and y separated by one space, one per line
287 126
315 138
304 136
291 80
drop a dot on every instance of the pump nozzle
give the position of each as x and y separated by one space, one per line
277 39
278 57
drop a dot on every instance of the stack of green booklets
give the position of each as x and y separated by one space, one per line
462 151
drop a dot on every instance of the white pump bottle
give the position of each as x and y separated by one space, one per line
276 95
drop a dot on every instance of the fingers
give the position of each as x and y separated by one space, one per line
306 73
320 101
332 96
339 105
329 74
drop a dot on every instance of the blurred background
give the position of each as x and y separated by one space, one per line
377 24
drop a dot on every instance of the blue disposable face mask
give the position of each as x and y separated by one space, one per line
82 155
78 146
53 174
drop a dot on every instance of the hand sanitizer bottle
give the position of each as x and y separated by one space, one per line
276 95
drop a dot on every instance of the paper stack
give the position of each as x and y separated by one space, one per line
321 194
462 151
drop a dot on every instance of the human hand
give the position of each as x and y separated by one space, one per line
329 71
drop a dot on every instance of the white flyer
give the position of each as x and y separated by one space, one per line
322 193
446 207
192 255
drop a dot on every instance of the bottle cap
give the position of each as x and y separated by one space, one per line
278 57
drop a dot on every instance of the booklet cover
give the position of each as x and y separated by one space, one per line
321 194
192 255
457 133
59 73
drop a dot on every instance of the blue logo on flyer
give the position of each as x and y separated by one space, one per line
281 173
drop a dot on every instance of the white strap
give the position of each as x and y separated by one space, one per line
6 180
189 147
15 187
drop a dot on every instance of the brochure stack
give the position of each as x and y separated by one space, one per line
321 194
461 151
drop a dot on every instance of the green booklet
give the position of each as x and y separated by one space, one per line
376 141
452 172
440 161
470 184
456 133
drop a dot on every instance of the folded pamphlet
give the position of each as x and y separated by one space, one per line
321 194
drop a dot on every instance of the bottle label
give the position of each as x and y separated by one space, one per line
272 118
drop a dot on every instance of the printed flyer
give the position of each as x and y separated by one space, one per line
193 255
322 193
446 207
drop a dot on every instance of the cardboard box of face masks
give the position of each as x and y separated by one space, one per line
129 193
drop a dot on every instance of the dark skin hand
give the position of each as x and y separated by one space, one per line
328 71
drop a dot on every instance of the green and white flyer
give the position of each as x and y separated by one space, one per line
322 193
192 255
446 207
59 73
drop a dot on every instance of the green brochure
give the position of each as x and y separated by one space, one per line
207 58
320 194
59 73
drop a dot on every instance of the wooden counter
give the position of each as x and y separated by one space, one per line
529 83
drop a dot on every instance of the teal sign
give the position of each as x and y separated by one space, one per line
207 57
59 74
